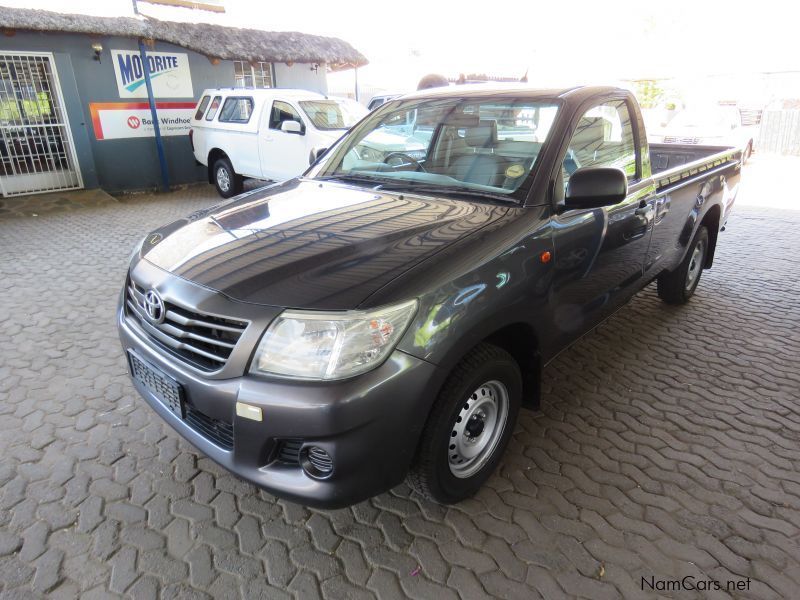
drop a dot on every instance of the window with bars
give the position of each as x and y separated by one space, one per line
252 75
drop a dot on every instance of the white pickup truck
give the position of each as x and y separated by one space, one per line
267 134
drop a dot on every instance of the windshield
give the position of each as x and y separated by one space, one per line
488 146
333 114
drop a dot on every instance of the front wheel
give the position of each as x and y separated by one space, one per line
227 182
469 426
676 287
747 152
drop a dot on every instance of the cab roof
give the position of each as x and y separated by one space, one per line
266 92
489 89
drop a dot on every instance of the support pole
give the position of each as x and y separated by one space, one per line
162 159
356 76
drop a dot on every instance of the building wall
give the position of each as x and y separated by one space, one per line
132 163
300 76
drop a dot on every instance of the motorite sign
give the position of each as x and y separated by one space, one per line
116 120
169 74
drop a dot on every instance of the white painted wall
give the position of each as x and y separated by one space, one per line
300 76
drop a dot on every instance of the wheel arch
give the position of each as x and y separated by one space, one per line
711 222
213 155
520 340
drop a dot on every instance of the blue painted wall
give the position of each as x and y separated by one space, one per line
132 164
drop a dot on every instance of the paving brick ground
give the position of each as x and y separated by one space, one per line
668 445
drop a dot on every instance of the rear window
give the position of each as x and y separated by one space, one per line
236 110
201 108
214 106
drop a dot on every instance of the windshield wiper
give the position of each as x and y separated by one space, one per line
405 185
354 178
411 186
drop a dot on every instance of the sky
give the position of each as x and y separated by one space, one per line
557 43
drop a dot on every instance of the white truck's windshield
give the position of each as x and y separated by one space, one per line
482 145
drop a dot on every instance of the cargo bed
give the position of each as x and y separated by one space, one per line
672 163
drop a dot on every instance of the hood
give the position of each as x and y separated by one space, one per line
331 136
694 132
306 244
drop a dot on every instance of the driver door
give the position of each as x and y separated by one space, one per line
283 154
600 252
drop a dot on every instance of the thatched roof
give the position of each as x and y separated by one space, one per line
216 41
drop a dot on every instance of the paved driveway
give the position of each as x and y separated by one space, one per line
668 445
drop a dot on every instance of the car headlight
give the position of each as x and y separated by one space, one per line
331 345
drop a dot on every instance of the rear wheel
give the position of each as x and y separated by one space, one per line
676 287
227 182
469 426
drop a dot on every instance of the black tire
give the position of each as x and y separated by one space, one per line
431 474
676 287
227 182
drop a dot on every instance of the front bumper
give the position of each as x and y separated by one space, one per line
369 424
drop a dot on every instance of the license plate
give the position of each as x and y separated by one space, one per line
162 386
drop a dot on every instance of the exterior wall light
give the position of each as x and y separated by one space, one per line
98 48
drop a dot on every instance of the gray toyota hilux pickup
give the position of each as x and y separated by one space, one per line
387 314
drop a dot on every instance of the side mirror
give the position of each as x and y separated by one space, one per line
292 127
594 187
316 154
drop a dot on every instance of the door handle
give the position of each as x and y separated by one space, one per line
647 211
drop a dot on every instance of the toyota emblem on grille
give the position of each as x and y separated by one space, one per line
154 307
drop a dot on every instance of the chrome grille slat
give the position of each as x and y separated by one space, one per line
178 332
671 139
181 320
205 341
175 344
138 296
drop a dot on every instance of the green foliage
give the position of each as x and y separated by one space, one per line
648 92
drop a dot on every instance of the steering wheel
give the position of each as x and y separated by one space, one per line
410 159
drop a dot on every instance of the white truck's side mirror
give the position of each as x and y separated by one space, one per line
291 127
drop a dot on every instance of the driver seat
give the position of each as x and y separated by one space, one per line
482 166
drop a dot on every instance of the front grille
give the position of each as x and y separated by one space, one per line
219 432
670 139
289 451
204 341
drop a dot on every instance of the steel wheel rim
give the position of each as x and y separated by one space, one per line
695 265
477 429
223 179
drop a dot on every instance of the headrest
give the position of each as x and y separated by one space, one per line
482 136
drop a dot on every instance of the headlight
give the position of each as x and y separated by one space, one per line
331 345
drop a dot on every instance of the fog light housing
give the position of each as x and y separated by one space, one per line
316 462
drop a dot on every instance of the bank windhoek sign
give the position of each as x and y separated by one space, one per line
116 120
169 74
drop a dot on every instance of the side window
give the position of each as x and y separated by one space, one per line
201 108
236 110
602 138
212 111
282 112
